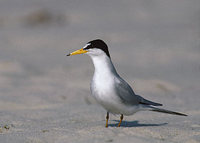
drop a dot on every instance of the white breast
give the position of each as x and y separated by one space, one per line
102 85
103 79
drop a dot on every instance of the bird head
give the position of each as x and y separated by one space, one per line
93 48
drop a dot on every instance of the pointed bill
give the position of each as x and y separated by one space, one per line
80 51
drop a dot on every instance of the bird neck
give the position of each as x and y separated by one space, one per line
103 65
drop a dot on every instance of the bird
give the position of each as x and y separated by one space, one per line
111 91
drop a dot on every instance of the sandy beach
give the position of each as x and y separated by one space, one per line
45 96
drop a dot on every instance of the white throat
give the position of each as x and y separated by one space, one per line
103 65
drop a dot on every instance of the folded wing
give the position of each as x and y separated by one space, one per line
127 95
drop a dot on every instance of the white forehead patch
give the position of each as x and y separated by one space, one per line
86 45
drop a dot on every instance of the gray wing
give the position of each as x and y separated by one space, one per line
127 95
125 92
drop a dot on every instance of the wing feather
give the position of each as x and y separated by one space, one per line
125 92
127 95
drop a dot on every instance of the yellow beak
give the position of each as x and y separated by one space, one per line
81 51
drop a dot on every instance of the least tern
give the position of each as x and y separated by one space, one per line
110 90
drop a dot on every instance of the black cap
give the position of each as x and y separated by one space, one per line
99 44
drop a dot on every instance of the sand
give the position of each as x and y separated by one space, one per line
45 96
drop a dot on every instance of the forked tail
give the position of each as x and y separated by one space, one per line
166 111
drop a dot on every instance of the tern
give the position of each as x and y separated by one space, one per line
110 90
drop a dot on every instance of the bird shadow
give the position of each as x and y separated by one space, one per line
134 124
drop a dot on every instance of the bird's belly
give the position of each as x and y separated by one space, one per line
109 103
118 108
107 98
103 90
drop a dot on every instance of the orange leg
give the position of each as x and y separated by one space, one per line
121 118
107 117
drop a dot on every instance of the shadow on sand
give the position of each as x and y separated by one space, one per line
134 124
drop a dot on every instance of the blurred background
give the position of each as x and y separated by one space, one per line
154 44
45 96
